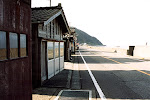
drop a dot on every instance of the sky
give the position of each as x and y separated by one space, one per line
113 22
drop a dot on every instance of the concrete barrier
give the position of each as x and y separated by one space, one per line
142 51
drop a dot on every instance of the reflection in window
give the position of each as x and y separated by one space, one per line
56 49
23 45
3 50
50 50
13 38
61 49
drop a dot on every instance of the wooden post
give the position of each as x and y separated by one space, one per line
50 3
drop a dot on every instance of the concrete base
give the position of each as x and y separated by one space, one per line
74 95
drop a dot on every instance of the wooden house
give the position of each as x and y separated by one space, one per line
73 40
49 25
15 50
70 44
67 47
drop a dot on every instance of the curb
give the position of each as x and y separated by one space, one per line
69 79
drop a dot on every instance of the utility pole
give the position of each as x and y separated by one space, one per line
50 2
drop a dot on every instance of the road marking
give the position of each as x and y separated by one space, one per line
127 66
99 90
111 60
59 94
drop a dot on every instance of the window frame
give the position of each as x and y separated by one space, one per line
8 56
60 49
52 50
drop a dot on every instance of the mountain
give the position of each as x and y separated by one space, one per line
83 37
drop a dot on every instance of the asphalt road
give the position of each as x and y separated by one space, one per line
119 76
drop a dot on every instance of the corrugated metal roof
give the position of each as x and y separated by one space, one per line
44 13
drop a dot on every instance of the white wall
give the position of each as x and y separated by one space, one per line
51 68
142 51
56 66
61 63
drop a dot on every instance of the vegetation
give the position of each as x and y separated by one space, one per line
83 37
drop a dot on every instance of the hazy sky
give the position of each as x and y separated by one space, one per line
113 22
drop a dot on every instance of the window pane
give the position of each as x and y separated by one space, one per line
13 38
56 49
3 49
23 45
50 50
61 49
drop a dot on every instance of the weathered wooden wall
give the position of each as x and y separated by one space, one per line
15 74
15 16
36 54
51 31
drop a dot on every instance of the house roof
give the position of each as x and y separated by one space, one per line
43 13
47 14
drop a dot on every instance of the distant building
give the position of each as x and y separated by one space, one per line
49 26
15 50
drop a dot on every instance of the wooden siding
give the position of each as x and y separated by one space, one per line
36 54
15 74
51 31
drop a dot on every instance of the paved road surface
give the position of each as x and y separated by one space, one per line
119 77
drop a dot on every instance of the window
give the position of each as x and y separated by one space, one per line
23 45
61 49
56 49
13 38
48 30
50 50
3 50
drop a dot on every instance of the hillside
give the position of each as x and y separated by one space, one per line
83 37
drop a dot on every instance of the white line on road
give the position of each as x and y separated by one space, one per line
99 90
60 93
